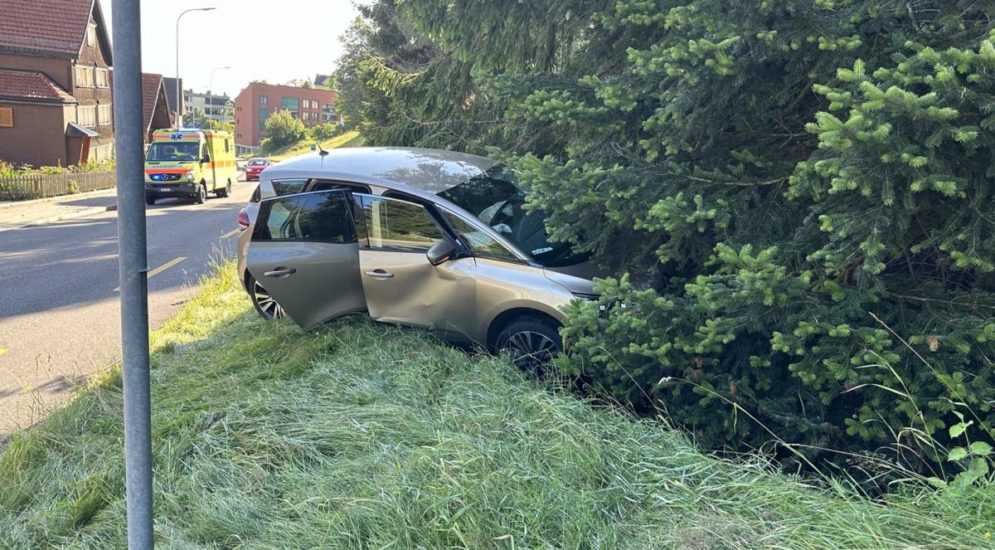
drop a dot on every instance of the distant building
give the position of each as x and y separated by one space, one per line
170 85
214 107
322 80
257 101
55 82
155 106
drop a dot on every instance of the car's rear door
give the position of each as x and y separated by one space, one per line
305 253
401 285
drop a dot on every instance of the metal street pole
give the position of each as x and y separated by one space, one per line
132 258
210 88
179 91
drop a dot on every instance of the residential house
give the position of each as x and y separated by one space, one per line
55 82
211 106
171 97
258 100
155 106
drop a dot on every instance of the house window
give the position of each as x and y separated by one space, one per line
91 35
291 104
264 100
263 114
102 79
87 116
6 117
104 114
84 77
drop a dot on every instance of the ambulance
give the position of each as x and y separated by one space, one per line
189 163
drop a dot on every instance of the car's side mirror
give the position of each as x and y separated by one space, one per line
205 160
441 251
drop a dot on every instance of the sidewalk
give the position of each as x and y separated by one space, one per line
15 214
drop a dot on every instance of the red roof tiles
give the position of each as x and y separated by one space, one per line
50 26
31 85
151 83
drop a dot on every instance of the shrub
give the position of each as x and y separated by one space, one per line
325 131
283 129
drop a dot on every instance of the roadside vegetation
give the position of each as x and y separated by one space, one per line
364 436
345 139
794 200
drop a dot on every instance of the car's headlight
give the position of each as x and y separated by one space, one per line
189 175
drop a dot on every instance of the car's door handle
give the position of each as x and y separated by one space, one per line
380 274
281 272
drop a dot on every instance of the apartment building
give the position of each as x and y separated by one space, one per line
213 106
257 101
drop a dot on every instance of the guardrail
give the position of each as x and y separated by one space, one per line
39 186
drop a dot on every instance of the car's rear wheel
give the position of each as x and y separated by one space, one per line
532 343
265 304
224 192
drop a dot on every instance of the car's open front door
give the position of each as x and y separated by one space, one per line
304 253
401 285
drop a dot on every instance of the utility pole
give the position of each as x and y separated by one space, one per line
132 257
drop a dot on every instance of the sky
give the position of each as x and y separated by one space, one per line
271 40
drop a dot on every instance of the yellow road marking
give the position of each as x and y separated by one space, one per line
166 266
230 233
157 270
3 350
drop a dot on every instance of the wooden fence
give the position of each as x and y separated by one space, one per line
38 186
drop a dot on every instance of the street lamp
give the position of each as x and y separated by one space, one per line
179 92
210 88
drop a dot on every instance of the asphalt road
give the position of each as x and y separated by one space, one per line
59 309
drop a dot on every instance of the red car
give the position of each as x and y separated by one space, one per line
254 167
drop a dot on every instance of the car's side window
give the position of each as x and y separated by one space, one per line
315 217
288 187
392 224
479 242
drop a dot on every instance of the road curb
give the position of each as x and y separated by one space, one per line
67 216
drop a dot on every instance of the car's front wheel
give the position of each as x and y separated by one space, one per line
532 343
265 304
201 196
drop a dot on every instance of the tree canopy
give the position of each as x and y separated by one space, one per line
795 198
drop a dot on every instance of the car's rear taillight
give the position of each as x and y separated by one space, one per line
243 219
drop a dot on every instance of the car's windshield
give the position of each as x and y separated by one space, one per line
257 162
495 199
174 150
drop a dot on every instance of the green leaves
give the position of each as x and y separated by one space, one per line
795 198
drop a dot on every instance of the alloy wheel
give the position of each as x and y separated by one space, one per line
268 307
531 350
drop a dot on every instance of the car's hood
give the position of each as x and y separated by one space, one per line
577 278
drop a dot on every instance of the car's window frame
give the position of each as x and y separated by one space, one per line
282 181
363 228
512 256
349 185
262 219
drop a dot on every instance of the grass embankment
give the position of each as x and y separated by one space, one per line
364 436
348 139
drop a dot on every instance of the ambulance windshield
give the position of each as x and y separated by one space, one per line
174 151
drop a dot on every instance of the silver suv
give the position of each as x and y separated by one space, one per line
418 237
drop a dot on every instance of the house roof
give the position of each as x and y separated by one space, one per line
75 130
31 85
50 27
151 85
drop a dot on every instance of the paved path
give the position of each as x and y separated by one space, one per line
59 310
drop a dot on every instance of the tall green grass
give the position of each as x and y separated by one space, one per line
361 436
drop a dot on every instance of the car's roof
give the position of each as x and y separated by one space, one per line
427 170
